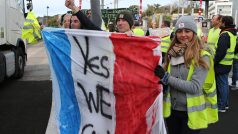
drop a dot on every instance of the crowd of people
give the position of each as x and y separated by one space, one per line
194 72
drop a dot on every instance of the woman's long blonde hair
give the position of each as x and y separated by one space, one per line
192 53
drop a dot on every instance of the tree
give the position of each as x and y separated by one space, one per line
151 9
134 7
52 22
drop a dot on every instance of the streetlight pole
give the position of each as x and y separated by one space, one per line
47 15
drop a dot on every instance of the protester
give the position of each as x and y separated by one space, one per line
187 65
235 68
79 17
66 20
214 33
124 19
223 60
96 15
88 13
153 31
111 27
124 22
165 28
165 39
137 30
75 22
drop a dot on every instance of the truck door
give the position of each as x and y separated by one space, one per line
2 21
15 21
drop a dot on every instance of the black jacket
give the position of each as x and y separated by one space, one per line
86 22
222 46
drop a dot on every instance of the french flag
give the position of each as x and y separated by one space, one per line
104 83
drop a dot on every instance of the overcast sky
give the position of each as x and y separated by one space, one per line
57 6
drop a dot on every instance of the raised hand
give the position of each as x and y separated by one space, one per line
69 4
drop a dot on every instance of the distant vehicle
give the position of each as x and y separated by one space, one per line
12 47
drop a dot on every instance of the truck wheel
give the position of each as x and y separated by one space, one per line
2 67
19 63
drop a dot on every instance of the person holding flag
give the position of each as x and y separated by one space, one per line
124 19
190 102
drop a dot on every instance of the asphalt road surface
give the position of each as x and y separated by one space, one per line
25 104
25 107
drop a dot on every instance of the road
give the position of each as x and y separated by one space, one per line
26 103
37 68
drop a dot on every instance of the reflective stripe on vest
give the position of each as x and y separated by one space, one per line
31 29
228 59
213 36
201 107
165 43
236 56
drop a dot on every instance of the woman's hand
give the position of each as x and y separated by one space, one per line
164 76
159 71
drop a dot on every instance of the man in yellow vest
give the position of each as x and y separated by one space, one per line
235 69
165 43
214 33
223 60
31 28
137 30
165 40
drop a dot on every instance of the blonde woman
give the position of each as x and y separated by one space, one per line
185 71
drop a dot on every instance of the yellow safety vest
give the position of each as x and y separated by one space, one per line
213 37
202 108
31 28
199 32
165 43
138 32
103 27
228 59
236 56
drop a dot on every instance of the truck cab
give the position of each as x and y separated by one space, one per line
13 53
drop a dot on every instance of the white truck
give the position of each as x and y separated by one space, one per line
12 47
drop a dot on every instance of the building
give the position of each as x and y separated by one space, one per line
235 11
222 7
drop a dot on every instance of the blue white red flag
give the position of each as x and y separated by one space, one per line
104 83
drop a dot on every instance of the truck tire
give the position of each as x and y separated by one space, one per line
19 63
2 67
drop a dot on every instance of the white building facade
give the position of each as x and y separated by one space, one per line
235 11
222 7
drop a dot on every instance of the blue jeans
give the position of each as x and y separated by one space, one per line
222 90
234 72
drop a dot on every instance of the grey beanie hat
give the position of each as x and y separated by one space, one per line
186 22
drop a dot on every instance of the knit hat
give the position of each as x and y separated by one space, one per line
186 22
126 15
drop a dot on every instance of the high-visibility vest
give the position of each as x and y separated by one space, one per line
236 56
138 32
199 32
201 108
213 37
165 43
103 27
228 59
31 28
